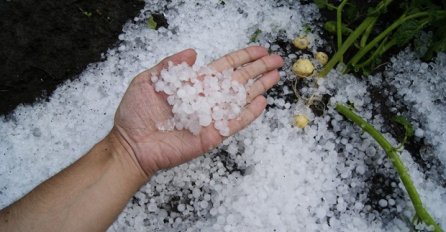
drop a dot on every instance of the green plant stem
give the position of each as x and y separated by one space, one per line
339 25
366 34
346 45
331 6
388 45
392 154
382 48
383 34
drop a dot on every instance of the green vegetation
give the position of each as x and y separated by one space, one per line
364 35
407 128
254 36
84 12
375 30
151 23
422 215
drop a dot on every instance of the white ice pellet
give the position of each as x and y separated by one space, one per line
204 204
181 207
360 169
154 78
204 119
391 201
212 97
419 132
382 203
152 207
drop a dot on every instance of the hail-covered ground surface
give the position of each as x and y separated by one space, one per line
271 176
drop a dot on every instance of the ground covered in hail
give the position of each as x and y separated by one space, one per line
272 176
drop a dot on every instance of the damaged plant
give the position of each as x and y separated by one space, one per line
375 35
421 213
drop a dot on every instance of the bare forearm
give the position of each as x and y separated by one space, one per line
86 196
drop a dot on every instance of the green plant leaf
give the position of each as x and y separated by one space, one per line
151 23
324 4
422 42
330 26
407 31
254 35
438 39
381 8
406 124
321 3
307 29
88 14
351 12
439 45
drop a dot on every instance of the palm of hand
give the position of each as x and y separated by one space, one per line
142 109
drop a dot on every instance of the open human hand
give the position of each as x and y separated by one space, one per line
142 109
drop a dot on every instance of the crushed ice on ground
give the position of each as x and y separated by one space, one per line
271 176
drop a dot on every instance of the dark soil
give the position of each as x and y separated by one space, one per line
45 42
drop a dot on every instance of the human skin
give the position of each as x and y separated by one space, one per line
89 194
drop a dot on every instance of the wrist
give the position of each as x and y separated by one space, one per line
125 156
93 190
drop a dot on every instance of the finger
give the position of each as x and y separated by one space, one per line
189 56
260 66
239 58
209 138
262 85
248 115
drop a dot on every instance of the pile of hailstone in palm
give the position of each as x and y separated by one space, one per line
200 96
